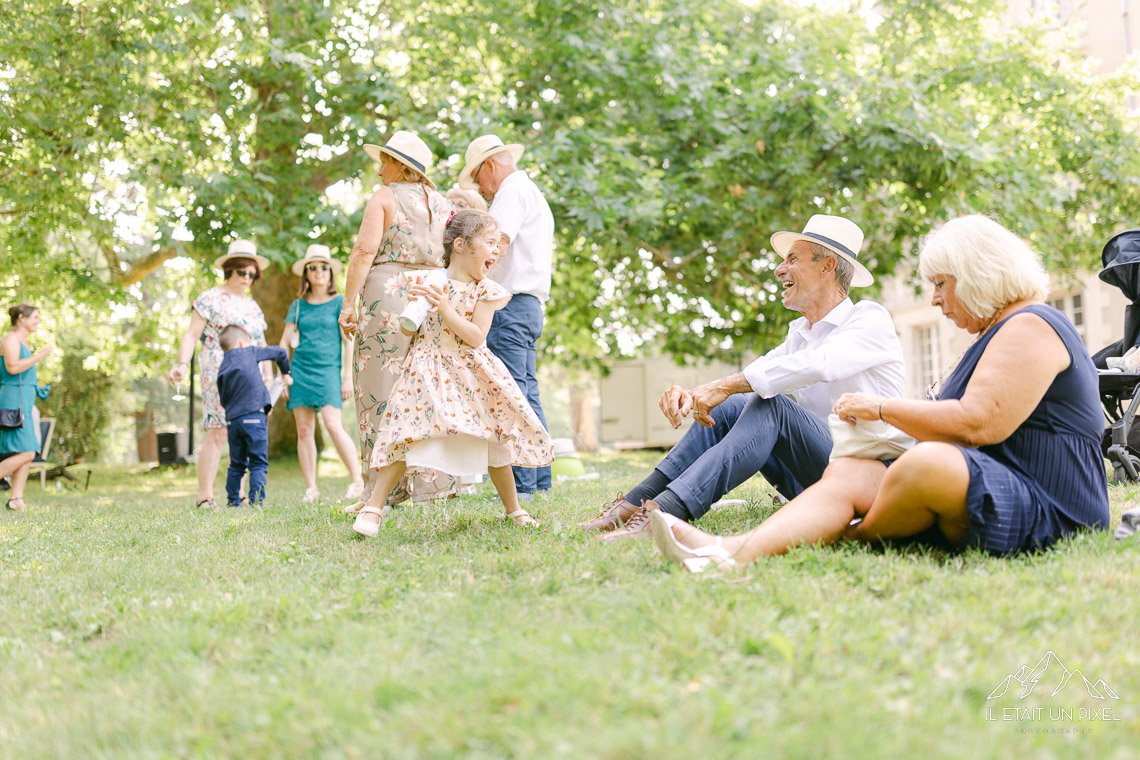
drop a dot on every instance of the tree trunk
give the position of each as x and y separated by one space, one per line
274 292
583 418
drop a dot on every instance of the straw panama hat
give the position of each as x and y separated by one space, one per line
240 248
838 235
316 252
407 148
480 149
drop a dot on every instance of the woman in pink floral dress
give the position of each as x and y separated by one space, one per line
455 407
401 234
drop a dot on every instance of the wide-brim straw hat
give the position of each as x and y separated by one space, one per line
242 249
838 235
320 254
480 149
407 148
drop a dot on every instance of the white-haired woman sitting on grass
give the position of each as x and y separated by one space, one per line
1008 457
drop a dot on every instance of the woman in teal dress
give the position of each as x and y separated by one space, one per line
18 446
321 376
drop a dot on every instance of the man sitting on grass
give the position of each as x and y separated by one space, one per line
749 421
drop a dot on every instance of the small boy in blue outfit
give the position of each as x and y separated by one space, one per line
246 401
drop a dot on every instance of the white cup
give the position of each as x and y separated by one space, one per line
417 309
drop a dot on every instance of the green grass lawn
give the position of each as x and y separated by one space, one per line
135 627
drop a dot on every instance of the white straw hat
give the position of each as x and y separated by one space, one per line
480 149
838 235
407 148
239 249
319 253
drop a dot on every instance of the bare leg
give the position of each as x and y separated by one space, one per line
18 466
15 462
503 479
925 487
209 456
385 480
818 515
307 446
343 443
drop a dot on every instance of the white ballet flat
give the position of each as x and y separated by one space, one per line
693 560
715 558
368 528
353 508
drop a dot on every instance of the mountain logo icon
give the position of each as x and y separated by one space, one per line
1050 669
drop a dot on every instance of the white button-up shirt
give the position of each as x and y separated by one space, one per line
524 216
854 348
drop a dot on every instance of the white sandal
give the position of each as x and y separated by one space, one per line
353 508
367 527
312 496
521 517
354 491
693 560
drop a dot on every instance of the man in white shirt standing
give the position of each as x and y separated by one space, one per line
747 422
524 265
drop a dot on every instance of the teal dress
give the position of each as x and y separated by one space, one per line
316 360
19 391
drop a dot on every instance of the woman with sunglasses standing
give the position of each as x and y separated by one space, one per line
321 370
226 304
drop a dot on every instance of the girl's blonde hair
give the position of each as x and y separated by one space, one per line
991 266
465 225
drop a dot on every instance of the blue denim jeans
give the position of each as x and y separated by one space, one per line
515 330
772 436
249 449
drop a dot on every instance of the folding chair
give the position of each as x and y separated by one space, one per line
47 432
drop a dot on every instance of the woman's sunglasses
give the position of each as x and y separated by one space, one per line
317 268
245 273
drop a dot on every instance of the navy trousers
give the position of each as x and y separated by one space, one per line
515 330
249 450
772 436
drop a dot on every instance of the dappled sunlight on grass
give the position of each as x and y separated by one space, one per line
161 630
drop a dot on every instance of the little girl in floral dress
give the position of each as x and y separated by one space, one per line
455 407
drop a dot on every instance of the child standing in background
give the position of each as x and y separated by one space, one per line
455 408
246 402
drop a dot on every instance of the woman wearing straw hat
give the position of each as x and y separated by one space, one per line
401 234
321 372
226 304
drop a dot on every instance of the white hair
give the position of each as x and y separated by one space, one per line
503 158
991 266
473 199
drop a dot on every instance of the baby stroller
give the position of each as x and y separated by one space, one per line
1120 391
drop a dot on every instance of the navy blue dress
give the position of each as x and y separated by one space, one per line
1047 479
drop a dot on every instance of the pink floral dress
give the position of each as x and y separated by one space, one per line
456 408
221 308
412 242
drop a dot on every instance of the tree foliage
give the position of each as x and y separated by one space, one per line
671 136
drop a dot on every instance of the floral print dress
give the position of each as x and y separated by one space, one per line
456 408
221 308
412 242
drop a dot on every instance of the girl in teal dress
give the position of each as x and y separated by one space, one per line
18 447
321 378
